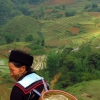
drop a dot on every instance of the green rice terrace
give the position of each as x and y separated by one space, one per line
5 84
70 31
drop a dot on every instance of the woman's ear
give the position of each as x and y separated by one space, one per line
22 69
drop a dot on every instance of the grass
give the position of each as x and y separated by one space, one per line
86 90
21 26
17 45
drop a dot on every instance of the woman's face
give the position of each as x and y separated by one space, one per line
16 72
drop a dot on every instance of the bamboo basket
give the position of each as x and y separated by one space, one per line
57 95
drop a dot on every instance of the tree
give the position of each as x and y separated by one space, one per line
53 62
9 37
42 42
87 6
93 59
59 15
29 38
70 13
5 9
35 1
23 8
64 7
94 6
20 1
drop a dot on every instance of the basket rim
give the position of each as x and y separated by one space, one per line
61 92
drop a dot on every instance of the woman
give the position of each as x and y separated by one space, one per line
29 85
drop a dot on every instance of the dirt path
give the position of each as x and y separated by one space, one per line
53 82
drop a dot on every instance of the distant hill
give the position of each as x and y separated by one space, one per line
47 20
70 30
22 26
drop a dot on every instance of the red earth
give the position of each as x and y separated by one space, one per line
51 2
95 14
4 53
53 82
74 30
63 1
48 11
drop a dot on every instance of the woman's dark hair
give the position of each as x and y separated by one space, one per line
18 65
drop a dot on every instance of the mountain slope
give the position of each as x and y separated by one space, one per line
86 90
21 26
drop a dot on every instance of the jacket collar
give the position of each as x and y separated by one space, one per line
29 72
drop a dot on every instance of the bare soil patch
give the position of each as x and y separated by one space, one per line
50 2
48 11
63 1
74 30
94 14
53 82
4 53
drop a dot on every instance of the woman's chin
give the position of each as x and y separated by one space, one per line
15 78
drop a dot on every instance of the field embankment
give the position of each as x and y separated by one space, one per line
5 90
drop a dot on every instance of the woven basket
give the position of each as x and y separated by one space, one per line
58 95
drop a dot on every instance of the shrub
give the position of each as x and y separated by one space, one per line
70 13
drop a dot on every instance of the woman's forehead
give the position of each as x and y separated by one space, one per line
11 65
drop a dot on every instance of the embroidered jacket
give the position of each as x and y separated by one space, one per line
28 87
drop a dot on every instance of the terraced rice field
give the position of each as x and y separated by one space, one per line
56 32
5 90
39 62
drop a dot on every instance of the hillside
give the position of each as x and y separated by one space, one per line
86 90
63 31
51 22
70 31
82 91
22 26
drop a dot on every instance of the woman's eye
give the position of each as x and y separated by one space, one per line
11 70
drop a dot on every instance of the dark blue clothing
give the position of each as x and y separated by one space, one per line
18 94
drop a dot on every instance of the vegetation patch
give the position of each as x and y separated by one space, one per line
48 10
86 90
20 27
